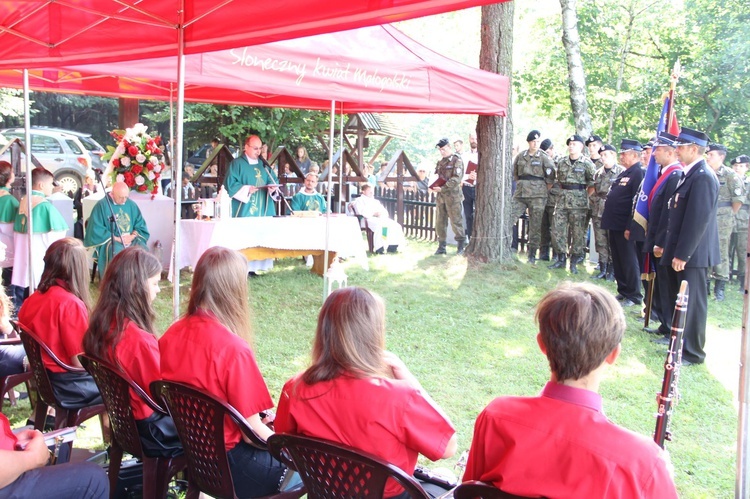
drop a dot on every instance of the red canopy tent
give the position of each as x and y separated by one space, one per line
40 33
371 69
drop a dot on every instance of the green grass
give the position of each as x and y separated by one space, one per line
468 334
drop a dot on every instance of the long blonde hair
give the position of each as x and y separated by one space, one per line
220 288
350 337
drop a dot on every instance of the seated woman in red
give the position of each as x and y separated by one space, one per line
209 348
58 313
121 332
358 394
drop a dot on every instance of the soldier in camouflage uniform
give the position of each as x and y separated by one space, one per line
593 144
731 194
740 165
575 173
549 209
533 172
602 182
450 170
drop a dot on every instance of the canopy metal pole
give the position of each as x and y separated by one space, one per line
177 177
742 488
29 186
503 143
328 201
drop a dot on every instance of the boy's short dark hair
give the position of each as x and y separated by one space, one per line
40 174
6 170
580 325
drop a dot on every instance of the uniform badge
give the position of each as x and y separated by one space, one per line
624 181
737 192
549 171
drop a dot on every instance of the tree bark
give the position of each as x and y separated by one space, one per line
576 76
492 226
129 113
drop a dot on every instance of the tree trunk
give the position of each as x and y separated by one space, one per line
492 227
576 76
129 113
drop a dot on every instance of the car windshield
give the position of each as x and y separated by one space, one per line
90 144
73 144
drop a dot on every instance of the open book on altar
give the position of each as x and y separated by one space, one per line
243 195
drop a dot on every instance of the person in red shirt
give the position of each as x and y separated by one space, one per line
358 394
560 444
58 313
209 348
23 473
121 331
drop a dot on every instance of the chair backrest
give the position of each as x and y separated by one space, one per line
34 348
475 489
199 418
114 386
331 470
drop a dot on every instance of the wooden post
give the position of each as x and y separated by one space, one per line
129 113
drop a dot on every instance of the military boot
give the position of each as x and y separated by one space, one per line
602 271
461 246
719 290
560 263
708 287
544 253
441 249
741 278
610 272
532 255
573 264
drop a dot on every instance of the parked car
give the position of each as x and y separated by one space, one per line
94 148
61 153
198 157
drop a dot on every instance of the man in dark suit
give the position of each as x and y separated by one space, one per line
617 219
670 173
692 240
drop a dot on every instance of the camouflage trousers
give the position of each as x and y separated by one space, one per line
725 221
573 220
536 210
448 206
740 250
547 218
601 241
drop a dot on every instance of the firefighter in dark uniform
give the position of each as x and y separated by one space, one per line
575 173
692 242
448 204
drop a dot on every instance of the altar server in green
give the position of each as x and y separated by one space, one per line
246 180
133 229
48 226
8 212
308 199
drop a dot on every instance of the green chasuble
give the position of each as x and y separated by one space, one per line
45 217
8 206
129 219
303 201
242 173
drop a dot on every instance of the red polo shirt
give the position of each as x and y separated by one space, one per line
200 352
561 445
385 417
138 355
59 319
7 438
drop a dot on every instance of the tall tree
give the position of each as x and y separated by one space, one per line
492 225
576 76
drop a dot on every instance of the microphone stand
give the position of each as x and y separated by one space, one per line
269 170
112 217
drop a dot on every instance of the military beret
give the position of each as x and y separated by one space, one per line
574 138
716 147
533 135
546 144
743 158
607 147
665 139
592 139
689 136
443 142
630 145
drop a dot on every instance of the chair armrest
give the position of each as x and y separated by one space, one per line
10 341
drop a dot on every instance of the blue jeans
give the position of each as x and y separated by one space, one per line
63 481
255 472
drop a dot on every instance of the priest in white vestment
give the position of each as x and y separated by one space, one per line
388 234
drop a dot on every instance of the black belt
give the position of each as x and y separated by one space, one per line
573 187
530 177
725 204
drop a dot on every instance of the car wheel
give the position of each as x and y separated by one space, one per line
70 182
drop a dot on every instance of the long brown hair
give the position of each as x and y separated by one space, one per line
124 295
66 264
220 287
350 337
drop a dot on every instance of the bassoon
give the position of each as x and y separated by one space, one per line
667 399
